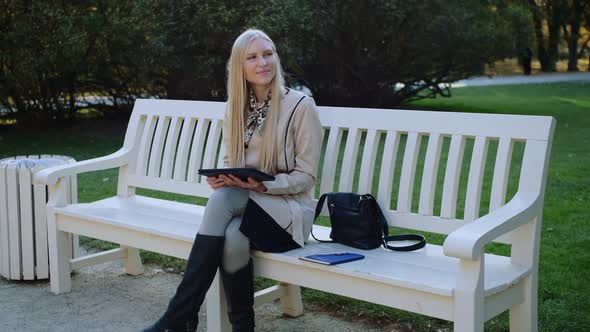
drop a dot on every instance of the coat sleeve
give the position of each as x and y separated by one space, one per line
308 136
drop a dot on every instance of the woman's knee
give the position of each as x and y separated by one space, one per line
228 197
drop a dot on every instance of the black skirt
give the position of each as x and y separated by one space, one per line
264 233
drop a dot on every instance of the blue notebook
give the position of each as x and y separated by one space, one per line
333 258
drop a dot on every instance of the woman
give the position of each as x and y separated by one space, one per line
267 127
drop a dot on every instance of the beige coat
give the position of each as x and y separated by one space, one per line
289 198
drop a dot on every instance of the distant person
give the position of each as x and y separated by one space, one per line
272 128
527 58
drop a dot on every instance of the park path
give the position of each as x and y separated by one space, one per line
523 79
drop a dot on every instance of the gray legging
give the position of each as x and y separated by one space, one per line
222 217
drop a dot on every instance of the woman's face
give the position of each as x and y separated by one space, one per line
259 65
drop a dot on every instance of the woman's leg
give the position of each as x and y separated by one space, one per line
238 278
203 262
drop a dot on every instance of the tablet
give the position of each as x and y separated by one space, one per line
242 173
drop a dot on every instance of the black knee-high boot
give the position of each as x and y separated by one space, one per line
239 292
201 267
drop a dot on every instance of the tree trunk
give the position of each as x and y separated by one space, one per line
572 43
554 18
538 26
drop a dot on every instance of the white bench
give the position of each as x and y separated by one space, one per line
167 141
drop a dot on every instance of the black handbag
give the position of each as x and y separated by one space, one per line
357 221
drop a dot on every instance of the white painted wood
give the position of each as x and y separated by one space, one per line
196 155
217 320
330 160
41 251
349 160
4 244
452 174
387 169
155 161
213 141
501 173
25 193
14 230
269 294
145 145
188 127
73 200
368 162
221 152
456 281
406 187
98 258
133 265
429 175
170 149
475 180
291 302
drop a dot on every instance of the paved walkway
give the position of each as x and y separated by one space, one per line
103 298
523 79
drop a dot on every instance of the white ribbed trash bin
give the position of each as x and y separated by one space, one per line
23 228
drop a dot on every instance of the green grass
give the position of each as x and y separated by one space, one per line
564 294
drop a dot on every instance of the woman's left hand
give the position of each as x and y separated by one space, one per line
233 181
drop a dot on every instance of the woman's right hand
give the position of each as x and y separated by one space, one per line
215 182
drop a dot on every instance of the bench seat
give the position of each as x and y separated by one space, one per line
180 221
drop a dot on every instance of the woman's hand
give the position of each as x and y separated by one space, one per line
215 182
233 181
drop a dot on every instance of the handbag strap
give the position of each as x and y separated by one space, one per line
421 240
318 210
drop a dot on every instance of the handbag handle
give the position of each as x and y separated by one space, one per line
421 240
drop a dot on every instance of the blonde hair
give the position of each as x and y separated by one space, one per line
237 92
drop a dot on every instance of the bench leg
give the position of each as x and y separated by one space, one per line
217 320
133 264
469 297
523 316
60 251
291 303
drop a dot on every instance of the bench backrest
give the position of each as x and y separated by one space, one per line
411 160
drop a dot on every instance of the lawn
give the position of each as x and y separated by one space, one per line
564 293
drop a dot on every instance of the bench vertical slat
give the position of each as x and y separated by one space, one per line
170 149
221 153
212 144
145 145
349 161
330 160
40 199
368 162
406 186
476 172
387 168
4 248
183 148
501 173
73 200
158 146
452 174
26 220
13 222
429 175
196 154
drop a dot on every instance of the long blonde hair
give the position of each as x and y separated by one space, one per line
237 92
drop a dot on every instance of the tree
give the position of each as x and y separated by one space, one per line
380 53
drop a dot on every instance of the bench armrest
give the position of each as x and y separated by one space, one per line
468 241
49 176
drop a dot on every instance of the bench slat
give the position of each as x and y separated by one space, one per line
501 173
368 162
330 160
406 187
197 149
158 146
212 145
429 175
41 252
4 248
145 145
26 223
387 169
184 142
349 161
452 174
170 149
476 172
